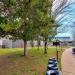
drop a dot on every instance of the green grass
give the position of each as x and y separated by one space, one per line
35 63
6 51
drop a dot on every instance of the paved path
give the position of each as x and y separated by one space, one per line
68 62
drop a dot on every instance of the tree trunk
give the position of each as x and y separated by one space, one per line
25 45
32 43
45 46
38 43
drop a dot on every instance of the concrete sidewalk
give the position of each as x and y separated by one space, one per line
68 62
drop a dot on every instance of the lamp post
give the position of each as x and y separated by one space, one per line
56 50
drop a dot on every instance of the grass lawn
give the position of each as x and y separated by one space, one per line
35 63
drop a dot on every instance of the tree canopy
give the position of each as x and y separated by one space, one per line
25 19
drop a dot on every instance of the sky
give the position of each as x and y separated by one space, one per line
64 13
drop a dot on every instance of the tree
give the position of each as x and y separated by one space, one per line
17 16
45 20
18 19
25 19
46 32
